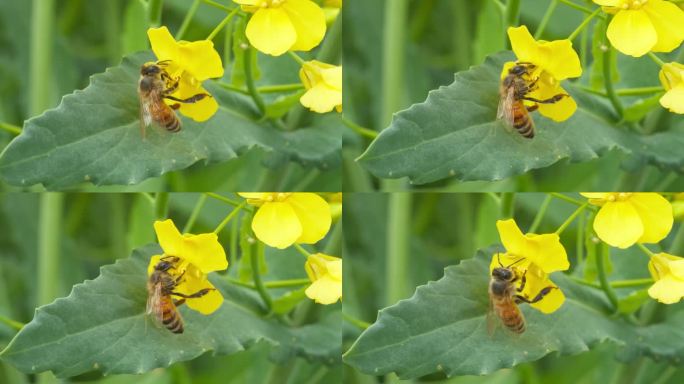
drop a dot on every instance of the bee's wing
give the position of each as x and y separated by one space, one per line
505 110
154 306
145 114
492 320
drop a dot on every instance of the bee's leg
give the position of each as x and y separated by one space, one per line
532 108
191 99
195 295
169 80
178 302
178 279
550 100
523 280
175 106
540 295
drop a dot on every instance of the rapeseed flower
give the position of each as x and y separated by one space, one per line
325 273
672 77
323 83
668 273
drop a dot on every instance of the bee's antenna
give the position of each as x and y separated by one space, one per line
515 262
498 257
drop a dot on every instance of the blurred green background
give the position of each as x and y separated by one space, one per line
395 242
88 36
42 255
392 59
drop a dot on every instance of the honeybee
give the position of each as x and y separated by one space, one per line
504 298
154 86
513 91
160 289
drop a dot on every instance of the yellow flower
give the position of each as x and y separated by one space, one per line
678 207
199 255
640 26
672 78
331 9
190 63
554 61
668 273
287 218
335 202
278 26
535 256
628 218
323 83
325 272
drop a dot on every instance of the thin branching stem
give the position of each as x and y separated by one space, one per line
195 213
256 275
545 19
13 129
365 132
188 18
572 217
601 258
223 23
540 214
229 217
362 325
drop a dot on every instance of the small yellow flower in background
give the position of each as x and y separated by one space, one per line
191 63
678 206
672 78
199 255
331 8
278 26
628 218
325 272
555 61
668 273
335 202
283 219
540 254
323 83
641 26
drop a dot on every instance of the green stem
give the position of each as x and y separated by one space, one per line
13 129
148 198
195 213
296 58
666 375
631 283
49 246
272 284
398 246
583 282
222 24
355 322
256 275
507 205
571 218
603 278
540 214
647 251
302 250
230 217
223 198
545 19
217 5
41 65
365 132
232 87
579 240
331 49
249 80
280 88
567 198
576 6
188 18
624 91
161 205
11 323
656 59
334 244
583 25
608 81
154 12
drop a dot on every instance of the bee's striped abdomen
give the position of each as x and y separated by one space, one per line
170 316
522 121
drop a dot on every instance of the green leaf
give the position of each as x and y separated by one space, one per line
287 302
442 328
102 325
94 136
455 133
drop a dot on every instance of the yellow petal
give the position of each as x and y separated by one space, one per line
277 225
618 224
671 75
559 111
511 237
677 268
205 252
632 33
169 237
325 290
154 260
656 216
313 213
200 59
252 3
321 98
193 283
673 100
560 59
608 3
548 253
523 44
667 290
308 19
536 281
163 44
668 21
551 302
594 195
271 31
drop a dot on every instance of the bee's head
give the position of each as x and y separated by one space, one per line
150 69
166 264
520 69
504 274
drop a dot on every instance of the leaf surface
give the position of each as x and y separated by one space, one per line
443 328
94 136
455 133
102 325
